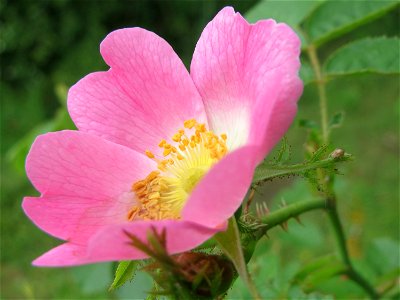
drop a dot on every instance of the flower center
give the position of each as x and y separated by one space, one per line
163 193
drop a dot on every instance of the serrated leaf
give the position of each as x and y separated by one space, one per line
377 55
289 12
334 18
125 271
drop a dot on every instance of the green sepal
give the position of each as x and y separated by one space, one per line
230 243
125 271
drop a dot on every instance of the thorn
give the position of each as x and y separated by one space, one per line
285 226
258 210
283 202
266 209
297 218
250 199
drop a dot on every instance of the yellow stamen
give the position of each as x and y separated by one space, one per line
149 154
162 194
189 123
167 151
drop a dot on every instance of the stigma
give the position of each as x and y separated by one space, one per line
183 163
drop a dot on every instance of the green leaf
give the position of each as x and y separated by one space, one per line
309 124
313 266
378 55
268 171
289 12
125 271
336 120
334 18
321 275
229 242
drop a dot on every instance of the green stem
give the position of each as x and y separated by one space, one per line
291 211
330 194
267 172
344 254
323 100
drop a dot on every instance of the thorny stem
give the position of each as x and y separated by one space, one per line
291 211
296 209
330 194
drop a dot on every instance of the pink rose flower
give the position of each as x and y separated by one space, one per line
160 147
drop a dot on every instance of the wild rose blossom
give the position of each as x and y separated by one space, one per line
159 147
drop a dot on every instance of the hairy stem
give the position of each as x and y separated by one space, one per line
267 172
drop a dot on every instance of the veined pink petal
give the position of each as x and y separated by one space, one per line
85 183
145 96
247 77
219 194
181 236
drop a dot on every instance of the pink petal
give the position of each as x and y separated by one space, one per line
85 183
113 244
247 76
219 194
145 96
67 254
76 218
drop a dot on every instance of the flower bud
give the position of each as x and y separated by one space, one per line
208 275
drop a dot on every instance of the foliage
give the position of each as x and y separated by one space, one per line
350 38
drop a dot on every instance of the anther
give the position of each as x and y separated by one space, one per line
189 123
167 151
176 137
149 154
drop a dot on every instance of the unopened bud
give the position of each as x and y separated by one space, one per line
204 271
337 153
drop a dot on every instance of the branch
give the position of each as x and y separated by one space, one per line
344 254
291 211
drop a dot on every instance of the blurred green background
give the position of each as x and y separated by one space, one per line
46 46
